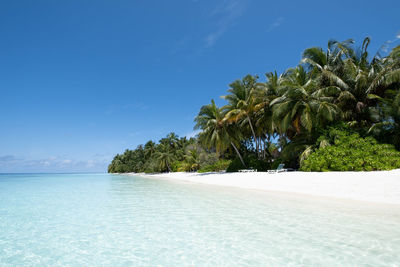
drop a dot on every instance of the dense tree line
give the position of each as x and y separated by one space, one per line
169 154
288 113
285 117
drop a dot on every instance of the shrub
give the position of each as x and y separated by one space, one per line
179 166
208 159
220 165
350 152
251 161
235 165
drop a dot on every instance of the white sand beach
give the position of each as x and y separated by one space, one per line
380 186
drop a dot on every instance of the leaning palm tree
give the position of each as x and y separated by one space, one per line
216 132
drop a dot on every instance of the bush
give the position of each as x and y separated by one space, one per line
350 152
251 161
179 166
235 165
208 159
220 165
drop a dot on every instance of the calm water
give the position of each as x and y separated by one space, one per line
100 219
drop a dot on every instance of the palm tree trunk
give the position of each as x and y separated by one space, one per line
268 145
264 148
169 168
237 151
258 147
254 134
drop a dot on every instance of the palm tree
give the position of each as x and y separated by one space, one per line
241 104
388 129
388 72
149 149
172 139
265 125
164 157
302 106
327 66
341 83
216 133
361 82
192 159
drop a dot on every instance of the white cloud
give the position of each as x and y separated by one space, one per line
45 163
278 22
10 163
7 159
227 12
192 134
90 163
388 45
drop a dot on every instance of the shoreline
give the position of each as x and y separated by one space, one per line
376 186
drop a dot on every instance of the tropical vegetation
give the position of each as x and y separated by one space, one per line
345 150
339 109
171 153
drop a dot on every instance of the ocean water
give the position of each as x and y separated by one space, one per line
116 220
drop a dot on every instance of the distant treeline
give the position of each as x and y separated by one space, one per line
169 154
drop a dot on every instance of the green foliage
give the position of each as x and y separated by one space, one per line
287 118
235 165
350 152
170 154
251 161
220 165
180 166
153 157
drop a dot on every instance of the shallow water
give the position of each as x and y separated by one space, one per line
101 219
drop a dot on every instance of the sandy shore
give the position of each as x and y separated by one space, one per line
381 187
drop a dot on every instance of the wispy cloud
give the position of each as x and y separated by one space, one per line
136 133
192 134
278 22
227 13
7 159
66 162
10 163
388 45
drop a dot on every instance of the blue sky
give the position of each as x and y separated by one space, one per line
83 80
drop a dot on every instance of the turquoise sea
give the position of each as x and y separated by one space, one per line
116 220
